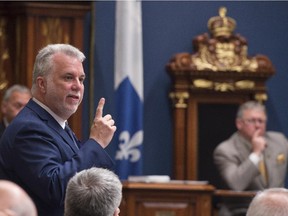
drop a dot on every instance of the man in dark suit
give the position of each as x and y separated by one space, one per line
14 99
252 158
36 151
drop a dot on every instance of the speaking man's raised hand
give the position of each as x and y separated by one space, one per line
103 128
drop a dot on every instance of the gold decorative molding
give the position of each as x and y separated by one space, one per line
221 25
221 56
223 86
224 51
52 30
221 50
179 99
203 83
4 53
261 97
245 84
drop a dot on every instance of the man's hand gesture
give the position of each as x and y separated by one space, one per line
103 128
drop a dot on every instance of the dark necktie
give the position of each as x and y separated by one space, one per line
71 134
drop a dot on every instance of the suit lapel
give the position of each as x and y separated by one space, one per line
243 151
67 139
51 123
244 154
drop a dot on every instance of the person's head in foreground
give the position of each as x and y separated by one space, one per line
270 202
93 192
14 201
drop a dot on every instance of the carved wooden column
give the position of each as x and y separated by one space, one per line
180 103
219 75
26 27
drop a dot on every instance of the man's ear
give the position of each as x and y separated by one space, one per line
238 123
116 212
3 107
41 84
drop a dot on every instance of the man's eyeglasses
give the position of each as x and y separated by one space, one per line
255 121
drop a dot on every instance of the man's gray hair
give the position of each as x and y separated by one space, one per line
248 106
93 192
273 201
43 62
15 88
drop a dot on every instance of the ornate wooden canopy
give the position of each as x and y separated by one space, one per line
219 71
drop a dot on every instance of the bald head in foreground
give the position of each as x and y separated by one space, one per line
14 201
273 201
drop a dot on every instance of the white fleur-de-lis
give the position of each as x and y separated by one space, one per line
127 146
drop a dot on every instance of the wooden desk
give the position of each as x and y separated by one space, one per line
166 199
229 196
231 193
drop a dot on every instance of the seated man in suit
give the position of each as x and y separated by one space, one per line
273 201
14 99
252 158
93 192
14 201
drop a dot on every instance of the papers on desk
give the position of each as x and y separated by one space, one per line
163 179
149 178
194 182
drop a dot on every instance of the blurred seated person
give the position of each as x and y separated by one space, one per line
14 99
252 158
93 192
272 201
14 201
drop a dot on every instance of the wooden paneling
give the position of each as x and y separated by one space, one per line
29 26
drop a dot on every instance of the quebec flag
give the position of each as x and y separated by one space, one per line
129 88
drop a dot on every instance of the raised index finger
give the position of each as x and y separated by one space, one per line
99 110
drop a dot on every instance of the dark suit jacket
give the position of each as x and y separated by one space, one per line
37 154
2 128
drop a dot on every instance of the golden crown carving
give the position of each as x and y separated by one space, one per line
221 25
222 51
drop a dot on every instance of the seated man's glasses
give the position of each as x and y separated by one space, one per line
254 121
